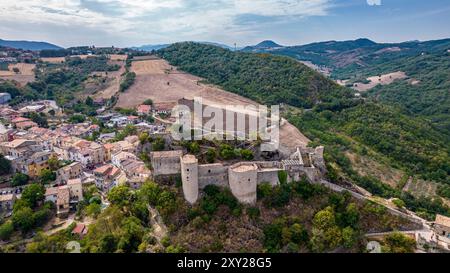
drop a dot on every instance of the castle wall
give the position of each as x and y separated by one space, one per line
212 174
166 163
243 179
268 176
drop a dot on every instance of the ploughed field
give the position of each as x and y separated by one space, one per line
23 76
156 79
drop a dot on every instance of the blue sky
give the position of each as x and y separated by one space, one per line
289 22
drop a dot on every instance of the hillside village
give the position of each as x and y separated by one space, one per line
132 146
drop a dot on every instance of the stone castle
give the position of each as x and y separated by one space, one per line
241 178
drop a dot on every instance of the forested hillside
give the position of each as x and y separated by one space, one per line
264 78
427 65
366 128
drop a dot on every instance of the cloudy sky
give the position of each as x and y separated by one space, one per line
289 22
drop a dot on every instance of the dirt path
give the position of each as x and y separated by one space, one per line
159 228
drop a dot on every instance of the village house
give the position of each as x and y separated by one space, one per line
143 110
18 147
6 134
135 169
71 171
65 197
51 194
164 107
80 230
63 202
44 137
4 98
19 152
7 202
106 177
32 109
76 190
117 158
26 125
442 229
88 153
38 162
8 114
117 122
17 120
166 162
129 144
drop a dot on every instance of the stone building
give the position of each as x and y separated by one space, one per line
166 162
442 230
243 178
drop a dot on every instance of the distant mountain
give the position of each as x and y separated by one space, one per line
266 45
342 54
28 45
151 47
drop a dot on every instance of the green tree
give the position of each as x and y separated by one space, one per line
93 209
6 230
41 216
108 244
33 194
399 243
227 152
144 138
120 196
194 148
47 176
19 179
298 234
326 234
148 102
53 163
211 155
247 154
158 144
348 237
89 101
351 215
5 165
282 177
23 219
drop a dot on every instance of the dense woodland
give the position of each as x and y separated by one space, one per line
264 78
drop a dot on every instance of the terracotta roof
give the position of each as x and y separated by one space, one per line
144 108
74 182
20 119
51 191
24 124
80 229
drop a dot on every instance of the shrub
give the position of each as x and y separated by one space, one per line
6 230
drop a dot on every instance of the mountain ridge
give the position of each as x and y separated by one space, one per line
28 45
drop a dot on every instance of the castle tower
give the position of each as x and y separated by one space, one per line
243 179
189 177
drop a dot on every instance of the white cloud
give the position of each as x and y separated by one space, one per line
141 20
